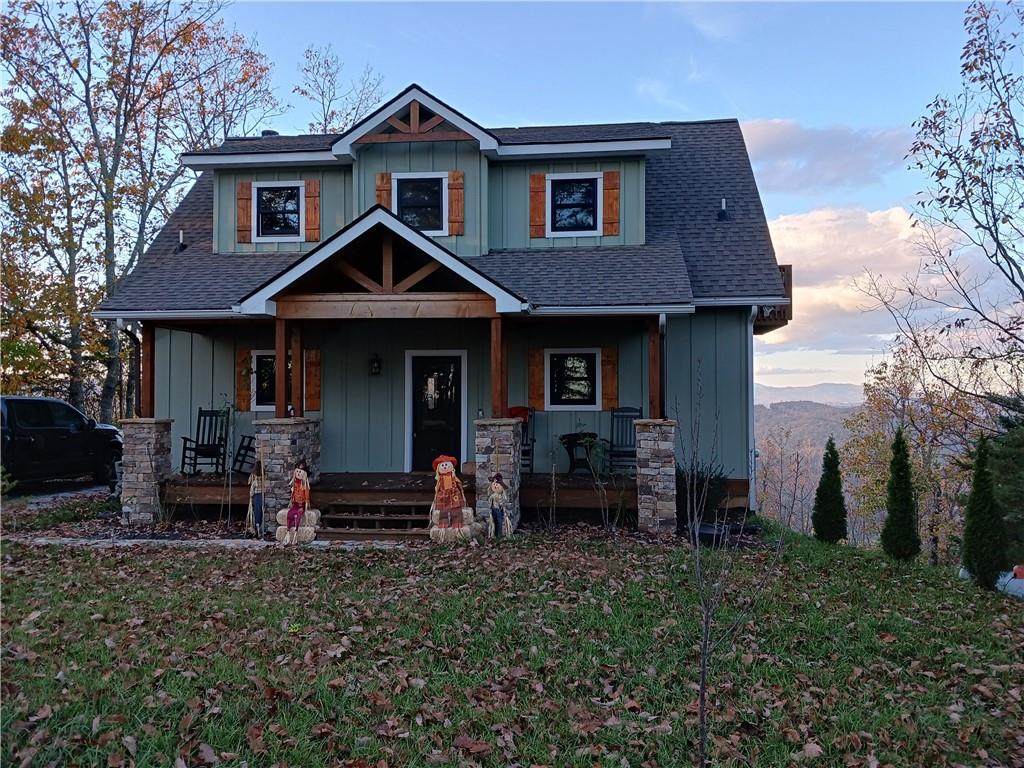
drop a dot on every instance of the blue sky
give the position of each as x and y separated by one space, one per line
827 93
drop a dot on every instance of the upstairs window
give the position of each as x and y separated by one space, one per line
572 379
421 201
278 208
574 204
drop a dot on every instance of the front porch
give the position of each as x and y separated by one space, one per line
384 505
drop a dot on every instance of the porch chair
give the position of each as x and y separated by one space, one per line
622 446
528 440
245 456
209 446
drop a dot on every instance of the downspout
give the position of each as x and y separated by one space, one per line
662 369
752 462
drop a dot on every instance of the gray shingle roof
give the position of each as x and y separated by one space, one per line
690 253
311 142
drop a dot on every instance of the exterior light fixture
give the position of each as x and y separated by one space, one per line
375 364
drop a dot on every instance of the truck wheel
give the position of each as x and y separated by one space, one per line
107 471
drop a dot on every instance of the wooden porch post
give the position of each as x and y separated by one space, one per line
148 363
297 370
654 368
281 368
499 370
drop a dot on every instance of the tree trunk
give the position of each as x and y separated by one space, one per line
76 387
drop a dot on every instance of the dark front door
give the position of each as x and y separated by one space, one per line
436 409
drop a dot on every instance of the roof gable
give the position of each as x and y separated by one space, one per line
345 144
260 300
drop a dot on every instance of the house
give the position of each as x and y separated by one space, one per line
389 293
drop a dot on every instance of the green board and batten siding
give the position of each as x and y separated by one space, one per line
509 202
364 416
431 156
336 206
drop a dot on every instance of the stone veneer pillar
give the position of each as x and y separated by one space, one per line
280 443
656 474
146 461
498 443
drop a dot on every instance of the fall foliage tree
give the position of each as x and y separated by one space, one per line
984 532
900 538
829 516
336 104
963 309
940 424
101 99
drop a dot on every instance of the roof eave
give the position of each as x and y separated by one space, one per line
199 161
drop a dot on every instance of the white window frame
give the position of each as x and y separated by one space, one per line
596 351
413 175
252 377
598 203
256 236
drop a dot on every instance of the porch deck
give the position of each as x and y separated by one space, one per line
575 491
381 505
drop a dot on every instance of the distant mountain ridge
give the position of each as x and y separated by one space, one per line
827 394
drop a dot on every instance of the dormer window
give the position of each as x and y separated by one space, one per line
421 201
574 204
278 211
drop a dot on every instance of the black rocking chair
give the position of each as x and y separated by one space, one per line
526 448
622 446
209 446
245 456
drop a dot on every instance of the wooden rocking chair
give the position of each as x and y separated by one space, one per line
245 456
209 446
622 446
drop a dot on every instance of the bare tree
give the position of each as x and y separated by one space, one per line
102 98
717 537
336 105
786 485
963 309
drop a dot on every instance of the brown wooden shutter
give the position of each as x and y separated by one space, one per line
243 211
243 388
312 210
384 189
311 401
535 378
609 378
456 203
537 204
610 213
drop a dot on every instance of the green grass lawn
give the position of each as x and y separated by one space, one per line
562 650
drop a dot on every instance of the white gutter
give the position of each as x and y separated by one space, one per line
616 309
577 148
163 314
199 162
741 301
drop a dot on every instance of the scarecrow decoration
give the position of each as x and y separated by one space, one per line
450 519
500 523
296 524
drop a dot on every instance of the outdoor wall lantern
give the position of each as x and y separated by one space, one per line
375 365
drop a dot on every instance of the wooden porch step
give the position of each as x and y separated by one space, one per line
372 534
371 516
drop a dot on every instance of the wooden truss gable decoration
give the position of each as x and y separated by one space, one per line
387 297
418 125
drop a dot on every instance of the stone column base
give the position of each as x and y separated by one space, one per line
498 444
280 443
145 463
656 474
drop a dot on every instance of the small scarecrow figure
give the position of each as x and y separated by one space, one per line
257 486
299 501
497 497
448 496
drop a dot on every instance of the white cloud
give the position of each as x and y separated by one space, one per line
790 157
659 92
829 249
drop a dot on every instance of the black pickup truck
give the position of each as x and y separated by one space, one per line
46 439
